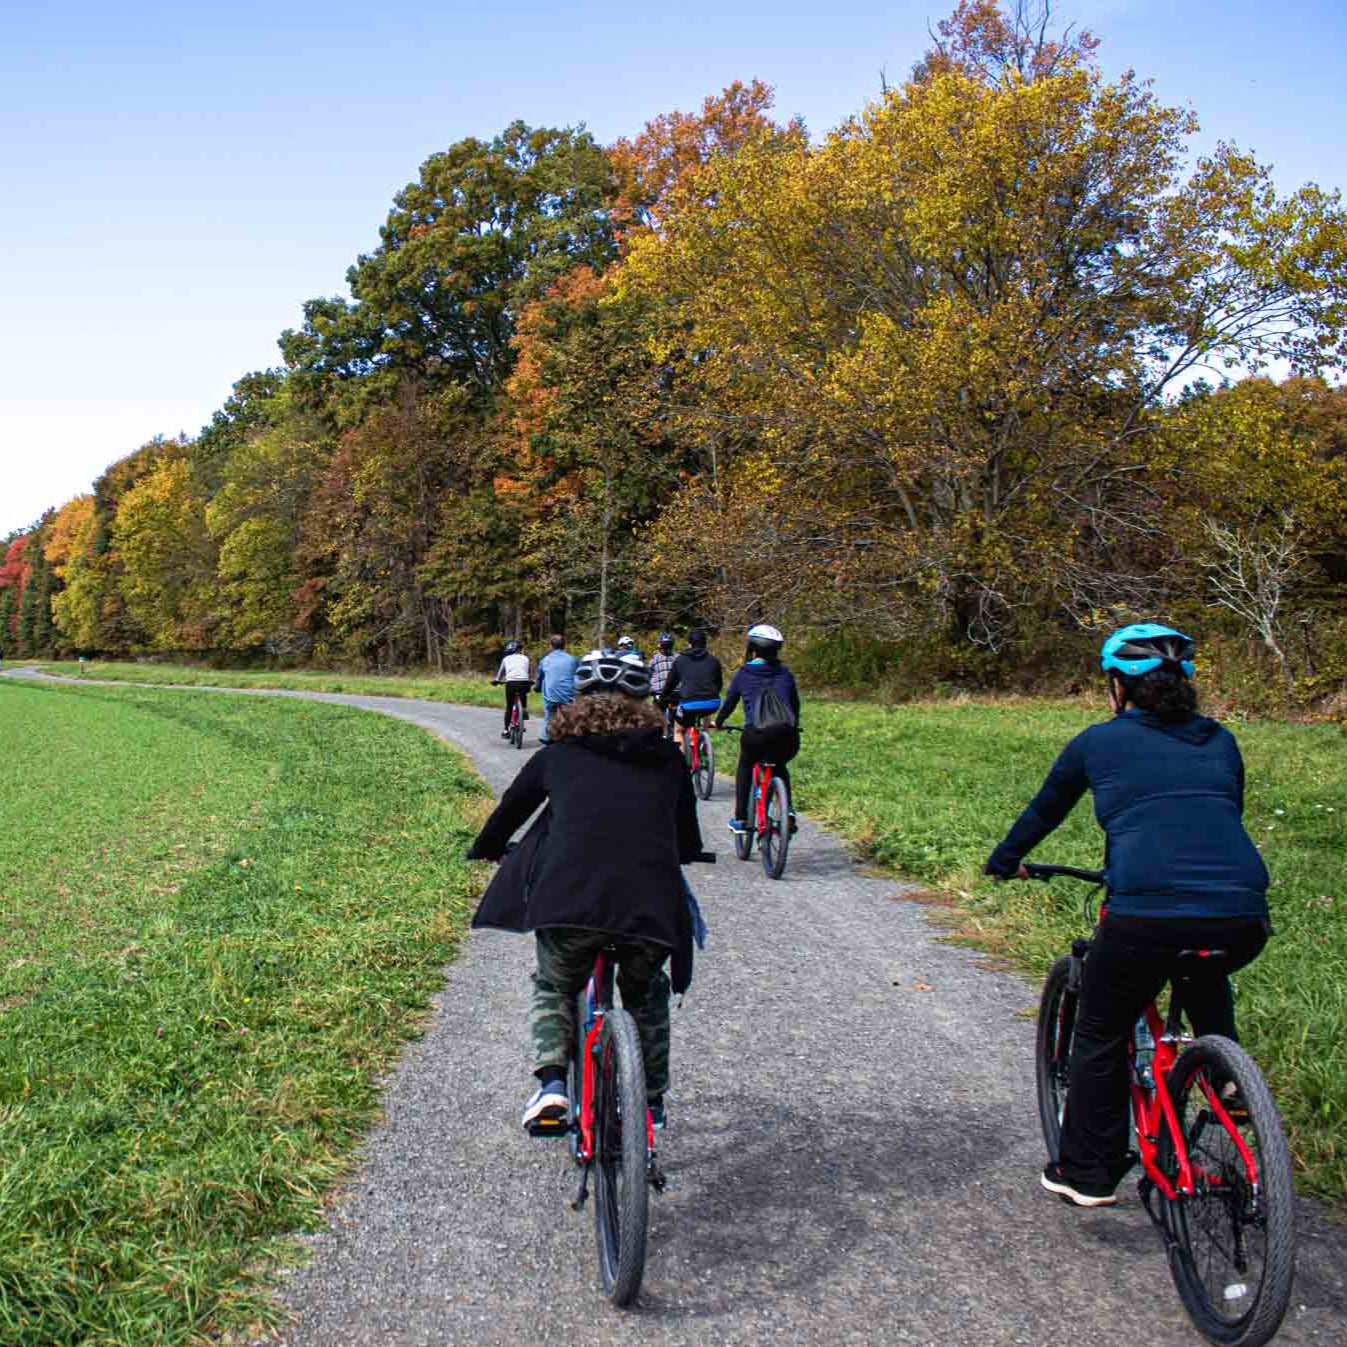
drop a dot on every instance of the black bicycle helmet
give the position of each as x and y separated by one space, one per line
513 647
598 672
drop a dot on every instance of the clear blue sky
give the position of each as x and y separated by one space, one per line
179 178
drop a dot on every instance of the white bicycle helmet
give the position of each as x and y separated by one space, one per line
625 643
598 672
765 637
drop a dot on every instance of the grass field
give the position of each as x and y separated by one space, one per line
926 789
463 689
929 789
218 920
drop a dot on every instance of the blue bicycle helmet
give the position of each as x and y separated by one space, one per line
1144 646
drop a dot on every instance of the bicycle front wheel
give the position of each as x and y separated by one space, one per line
776 838
1056 1029
704 778
622 1193
1232 1242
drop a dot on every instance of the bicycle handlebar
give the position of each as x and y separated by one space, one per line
1047 872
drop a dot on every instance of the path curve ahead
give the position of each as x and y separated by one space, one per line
853 1149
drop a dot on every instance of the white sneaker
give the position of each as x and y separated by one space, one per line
549 1106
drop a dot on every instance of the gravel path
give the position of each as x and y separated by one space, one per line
853 1149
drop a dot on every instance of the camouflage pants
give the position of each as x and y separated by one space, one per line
565 960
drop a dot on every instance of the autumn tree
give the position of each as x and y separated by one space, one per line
946 328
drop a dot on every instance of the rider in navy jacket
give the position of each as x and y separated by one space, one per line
1169 796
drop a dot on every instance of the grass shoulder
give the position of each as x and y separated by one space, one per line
464 689
220 919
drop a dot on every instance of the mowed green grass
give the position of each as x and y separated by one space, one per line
464 689
219 917
929 789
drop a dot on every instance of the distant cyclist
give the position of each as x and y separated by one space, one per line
662 664
556 680
600 867
626 645
693 685
515 672
1182 874
771 716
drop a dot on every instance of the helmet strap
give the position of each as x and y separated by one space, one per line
1117 693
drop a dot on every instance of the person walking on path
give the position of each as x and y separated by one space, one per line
556 680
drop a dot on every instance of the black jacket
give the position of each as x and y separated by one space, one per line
605 854
695 677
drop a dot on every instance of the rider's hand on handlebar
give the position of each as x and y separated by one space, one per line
1020 873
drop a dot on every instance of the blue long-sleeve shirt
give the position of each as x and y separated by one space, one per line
556 677
1170 799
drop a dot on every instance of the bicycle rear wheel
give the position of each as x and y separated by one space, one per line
1232 1243
622 1193
1056 1029
704 778
776 839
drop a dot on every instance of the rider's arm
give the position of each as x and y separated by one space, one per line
1056 798
670 683
500 673
538 682
730 702
525 794
795 701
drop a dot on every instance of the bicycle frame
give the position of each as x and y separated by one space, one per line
762 785
599 991
1153 1108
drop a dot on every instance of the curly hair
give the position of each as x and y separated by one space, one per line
602 713
1163 693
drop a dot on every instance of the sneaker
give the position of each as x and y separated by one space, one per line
505 734
1078 1194
794 823
737 825
549 1107
657 1115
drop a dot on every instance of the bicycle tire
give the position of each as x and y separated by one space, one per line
1229 1231
1052 1051
704 778
622 1191
776 839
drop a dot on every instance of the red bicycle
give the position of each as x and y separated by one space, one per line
1217 1179
515 729
768 820
611 1132
699 756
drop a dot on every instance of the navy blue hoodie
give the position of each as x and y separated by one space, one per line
1169 796
752 680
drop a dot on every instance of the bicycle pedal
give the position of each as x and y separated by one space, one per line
548 1127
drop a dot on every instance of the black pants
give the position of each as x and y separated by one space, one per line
1128 965
775 746
517 689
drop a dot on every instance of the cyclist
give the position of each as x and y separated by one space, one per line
514 672
693 685
771 716
1182 875
600 867
556 680
661 664
626 645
